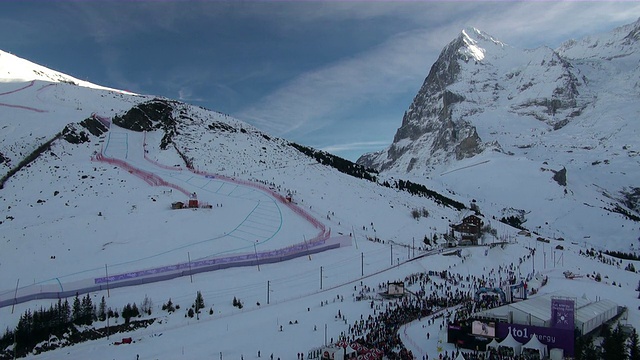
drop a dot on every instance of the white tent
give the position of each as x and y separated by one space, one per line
460 356
535 344
512 343
493 344
350 352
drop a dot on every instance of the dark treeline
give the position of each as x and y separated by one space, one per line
513 221
622 255
340 164
359 171
421 190
37 326
29 159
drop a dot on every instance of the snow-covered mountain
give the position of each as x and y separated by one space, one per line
16 69
543 132
89 176
55 193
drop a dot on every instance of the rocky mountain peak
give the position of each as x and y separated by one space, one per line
478 79
634 33
430 121
621 42
476 43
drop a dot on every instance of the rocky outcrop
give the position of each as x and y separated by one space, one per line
147 116
430 121
94 126
560 177
475 74
154 114
73 135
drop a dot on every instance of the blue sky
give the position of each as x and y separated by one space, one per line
333 75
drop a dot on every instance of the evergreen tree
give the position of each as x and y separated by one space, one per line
590 352
87 311
613 344
146 306
65 312
634 346
126 313
7 339
426 241
23 334
57 314
76 311
584 349
199 303
102 310
37 324
168 306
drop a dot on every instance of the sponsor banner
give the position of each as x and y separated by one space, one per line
552 337
562 313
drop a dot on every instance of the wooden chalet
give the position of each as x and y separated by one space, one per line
470 229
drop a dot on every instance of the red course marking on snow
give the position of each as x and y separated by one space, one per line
21 106
281 199
16 90
150 178
24 108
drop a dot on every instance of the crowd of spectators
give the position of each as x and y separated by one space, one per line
439 296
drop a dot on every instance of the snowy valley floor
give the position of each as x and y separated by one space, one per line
296 297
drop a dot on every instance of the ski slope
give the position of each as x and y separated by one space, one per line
260 227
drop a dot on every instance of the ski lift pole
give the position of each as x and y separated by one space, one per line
15 295
256 252
190 273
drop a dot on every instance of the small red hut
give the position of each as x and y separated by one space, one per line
193 200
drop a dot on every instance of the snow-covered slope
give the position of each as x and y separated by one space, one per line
547 133
15 69
95 201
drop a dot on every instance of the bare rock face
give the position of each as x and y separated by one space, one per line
560 177
469 146
154 114
429 121
473 75
147 116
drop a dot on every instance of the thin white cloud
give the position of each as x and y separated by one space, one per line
355 146
186 94
106 24
531 24
315 99
323 93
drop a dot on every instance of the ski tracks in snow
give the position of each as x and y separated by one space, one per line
22 107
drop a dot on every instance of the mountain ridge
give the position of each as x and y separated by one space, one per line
16 69
74 216
489 108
